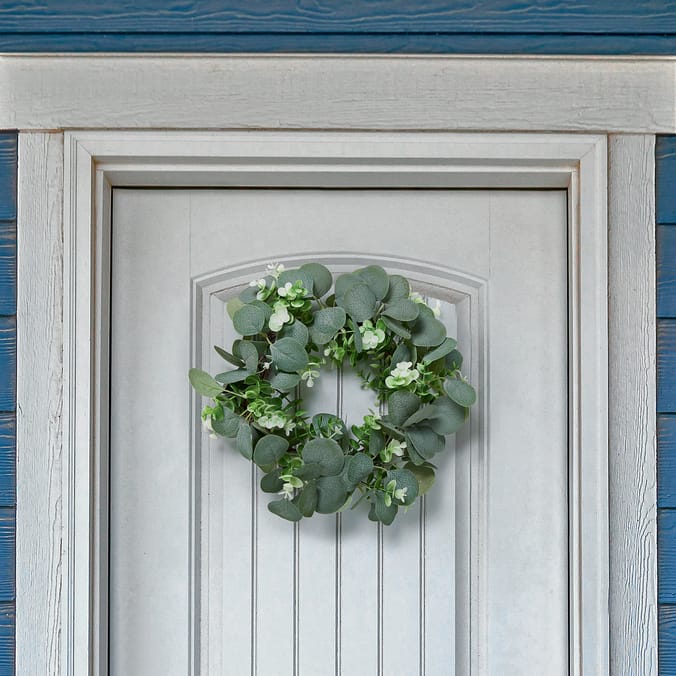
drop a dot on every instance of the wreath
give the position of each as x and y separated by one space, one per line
290 329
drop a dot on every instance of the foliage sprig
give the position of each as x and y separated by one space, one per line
295 322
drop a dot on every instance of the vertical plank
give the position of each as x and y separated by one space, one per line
318 572
632 394
39 436
360 563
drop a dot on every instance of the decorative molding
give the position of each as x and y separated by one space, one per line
450 93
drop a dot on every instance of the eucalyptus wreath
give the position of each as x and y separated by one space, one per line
291 327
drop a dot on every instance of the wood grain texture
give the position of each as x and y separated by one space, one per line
341 43
7 363
7 548
7 176
666 366
7 267
632 434
666 269
7 633
334 92
39 430
667 555
665 186
338 16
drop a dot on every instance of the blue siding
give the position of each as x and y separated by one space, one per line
346 26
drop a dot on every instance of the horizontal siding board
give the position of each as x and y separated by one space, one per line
666 555
666 460
8 363
666 271
665 180
7 549
340 16
667 640
7 267
666 366
7 637
7 460
8 163
345 43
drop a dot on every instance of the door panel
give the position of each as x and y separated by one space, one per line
476 574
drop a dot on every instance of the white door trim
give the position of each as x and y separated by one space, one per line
95 161
318 91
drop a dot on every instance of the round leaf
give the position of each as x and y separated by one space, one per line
331 494
288 355
233 305
448 416
359 302
307 500
407 480
247 351
271 483
396 327
326 453
245 440
345 282
404 310
401 405
460 392
309 471
284 382
327 323
425 441
286 509
427 330
228 425
376 279
453 360
204 383
249 320
231 376
296 275
321 278
399 288
359 466
269 449
296 330
424 474
385 513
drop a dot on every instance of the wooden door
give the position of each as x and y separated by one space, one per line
203 577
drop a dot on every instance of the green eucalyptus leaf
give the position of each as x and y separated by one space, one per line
229 377
205 384
296 330
327 453
321 278
385 513
396 327
372 512
247 350
264 307
288 355
326 324
460 392
427 331
233 305
359 302
405 479
376 279
449 416
284 382
286 509
269 449
376 442
345 282
413 455
247 295
440 351
401 353
296 275
358 346
309 471
425 412
424 474
331 494
401 405
230 358
249 320
271 482
359 466
245 440
325 424
307 500
425 441
404 310
399 288
228 425
453 360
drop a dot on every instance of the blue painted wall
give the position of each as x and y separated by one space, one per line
375 26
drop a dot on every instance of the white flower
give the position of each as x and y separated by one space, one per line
266 365
400 494
284 290
396 447
279 317
371 336
287 491
402 375
310 374
260 283
416 297
209 427
437 309
272 420
289 426
275 269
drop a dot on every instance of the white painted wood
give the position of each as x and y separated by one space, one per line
503 160
632 438
39 546
528 93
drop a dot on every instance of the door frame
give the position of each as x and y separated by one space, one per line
65 183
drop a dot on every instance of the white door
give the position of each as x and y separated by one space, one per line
473 579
